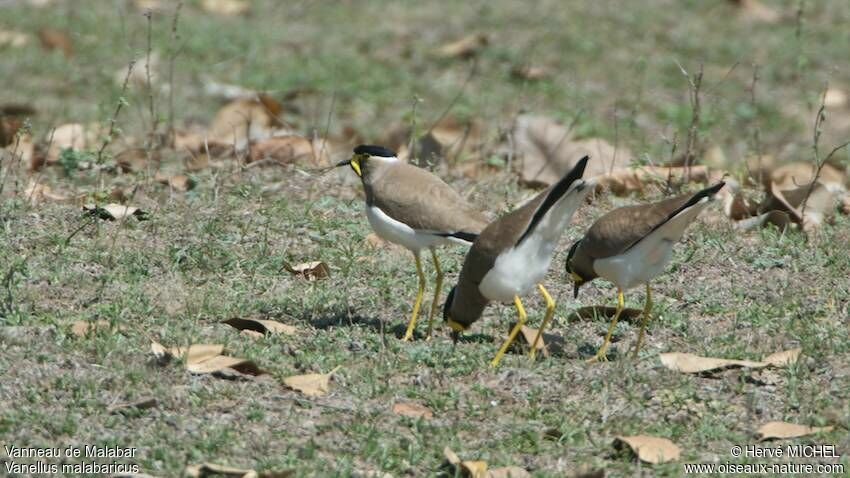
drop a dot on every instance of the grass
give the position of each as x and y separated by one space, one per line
217 252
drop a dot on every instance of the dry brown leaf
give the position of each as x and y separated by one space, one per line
800 173
634 179
207 358
783 358
507 472
779 219
466 47
37 193
547 151
605 311
55 39
530 72
115 212
245 119
757 12
649 449
261 326
210 470
82 328
135 159
413 410
528 334
690 363
737 207
142 404
771 430
310 270
835 98
283 150
226 7
311 384
178 182
74 136
468 469
14 39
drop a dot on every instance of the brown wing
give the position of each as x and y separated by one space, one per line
423 201
616 231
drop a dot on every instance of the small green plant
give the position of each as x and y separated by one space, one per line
70 159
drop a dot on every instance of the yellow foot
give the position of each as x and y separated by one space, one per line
600 356
407 337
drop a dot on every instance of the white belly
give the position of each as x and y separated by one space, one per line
634 267
400 233
518 270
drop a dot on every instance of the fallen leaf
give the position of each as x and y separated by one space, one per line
605 311
757 12
507 472
413 410
209 470
178 182
261 326
82 328
800 174
136 159
75 136
226 7
13 39
55 39
310 270
835 98
781 430
465 47
528 334
779 219
138 76
783 358
649 449
245 119
530 72
622 181
311 384
468 469
206 358
38 192
282 150
737 207
547 151
142 404
690 363
115 212
819 208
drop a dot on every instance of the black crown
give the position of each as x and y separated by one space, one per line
374 150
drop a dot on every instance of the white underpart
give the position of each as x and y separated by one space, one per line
650 256
400 233
520 268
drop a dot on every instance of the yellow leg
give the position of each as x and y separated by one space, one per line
521 317
410 325
436 303
600 355
550 311
647 308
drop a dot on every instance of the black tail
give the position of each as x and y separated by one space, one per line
555 193
697 197
462 235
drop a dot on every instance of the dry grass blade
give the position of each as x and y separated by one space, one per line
690 363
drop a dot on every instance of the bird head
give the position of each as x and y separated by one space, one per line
578 280
456 327
366 154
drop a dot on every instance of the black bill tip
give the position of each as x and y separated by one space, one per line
576 286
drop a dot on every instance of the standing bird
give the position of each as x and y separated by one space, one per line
513 254
411 207
630 245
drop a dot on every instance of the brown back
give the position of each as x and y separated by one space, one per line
419 199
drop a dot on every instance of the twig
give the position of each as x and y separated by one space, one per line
149 85
757 129
695 83
175 37
121 102
819 163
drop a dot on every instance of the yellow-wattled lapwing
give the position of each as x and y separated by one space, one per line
411 207
630 245
512 255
